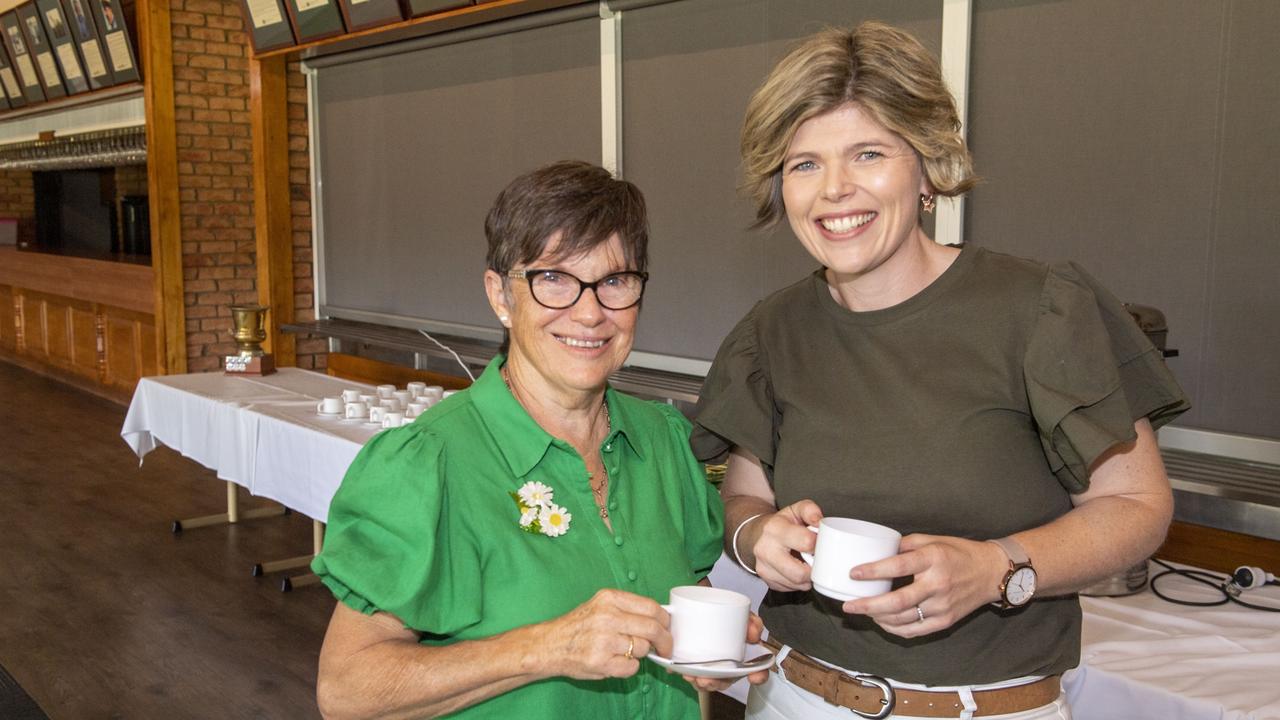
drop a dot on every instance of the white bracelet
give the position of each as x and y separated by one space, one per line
734 543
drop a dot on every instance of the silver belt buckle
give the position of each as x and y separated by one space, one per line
876 681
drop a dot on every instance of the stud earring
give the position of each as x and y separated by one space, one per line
503 319
928 203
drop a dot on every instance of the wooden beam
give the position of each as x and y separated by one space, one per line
155 37
273 220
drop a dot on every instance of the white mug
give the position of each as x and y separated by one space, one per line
331 406
385 391
350 395
415 409
393 420
415 388
844 543
707 623
377 413
357 410
404 396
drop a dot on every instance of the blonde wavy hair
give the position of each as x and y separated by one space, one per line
888 73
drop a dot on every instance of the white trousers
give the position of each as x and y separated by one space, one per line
778 699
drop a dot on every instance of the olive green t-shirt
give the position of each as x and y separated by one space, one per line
424 527
973 409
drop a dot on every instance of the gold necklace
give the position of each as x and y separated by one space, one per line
596 492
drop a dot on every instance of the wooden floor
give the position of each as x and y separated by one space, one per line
106 614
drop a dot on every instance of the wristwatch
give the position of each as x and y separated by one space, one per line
1019 584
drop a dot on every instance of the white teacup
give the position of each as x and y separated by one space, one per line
385 391
433 393
415 388
415 409
844 543
377 413
331 406
707 623
392 403
370 399
393 420
404 396
350 395
357 410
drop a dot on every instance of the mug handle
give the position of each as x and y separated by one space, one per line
808 557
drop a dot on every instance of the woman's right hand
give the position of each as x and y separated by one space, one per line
774 541
591 641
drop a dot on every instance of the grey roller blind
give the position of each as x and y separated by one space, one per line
412 149
1140 139
689 69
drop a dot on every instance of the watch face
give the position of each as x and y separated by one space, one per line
1021 586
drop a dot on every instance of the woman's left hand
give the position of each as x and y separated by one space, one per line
754 627
952 577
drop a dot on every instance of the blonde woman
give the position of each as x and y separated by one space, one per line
999 412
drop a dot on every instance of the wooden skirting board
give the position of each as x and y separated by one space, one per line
376 372
1218 550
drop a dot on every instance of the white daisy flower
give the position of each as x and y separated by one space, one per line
527 517
554 520
535 494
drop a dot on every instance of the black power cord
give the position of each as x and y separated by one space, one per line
1213 580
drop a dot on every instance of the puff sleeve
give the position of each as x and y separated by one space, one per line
392 545
736 405
701 507
1091 373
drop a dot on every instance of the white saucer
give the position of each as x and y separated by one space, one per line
325 414
722 670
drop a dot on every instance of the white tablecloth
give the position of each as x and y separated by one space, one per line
262 433
1146 659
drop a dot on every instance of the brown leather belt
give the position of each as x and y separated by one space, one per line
872 696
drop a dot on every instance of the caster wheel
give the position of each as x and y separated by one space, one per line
287 511
176 528
257 569
286 585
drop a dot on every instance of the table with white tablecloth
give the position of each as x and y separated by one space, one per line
1143 658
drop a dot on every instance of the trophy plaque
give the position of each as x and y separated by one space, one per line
249 329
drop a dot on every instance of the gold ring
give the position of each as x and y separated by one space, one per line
631 645
919 614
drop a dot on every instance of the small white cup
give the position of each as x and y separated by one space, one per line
350 395
415 388
331 406
404 396
433 393
843 543
707 623
392 403
415 409
377 413
370 399
393 420
385 391
357 410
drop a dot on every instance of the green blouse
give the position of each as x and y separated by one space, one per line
424 527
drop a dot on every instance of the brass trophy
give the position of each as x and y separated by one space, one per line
249 329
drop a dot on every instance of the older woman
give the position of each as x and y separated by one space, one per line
469 550
997 411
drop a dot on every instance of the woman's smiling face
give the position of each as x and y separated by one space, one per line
852 191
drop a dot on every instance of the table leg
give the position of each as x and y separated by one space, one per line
289 583
232 515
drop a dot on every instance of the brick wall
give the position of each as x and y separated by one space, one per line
215 179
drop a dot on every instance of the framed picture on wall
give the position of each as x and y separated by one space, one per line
41 50
315 19
23 65
268 24
115 37
84 32
427 7
9 80
361 14
58 31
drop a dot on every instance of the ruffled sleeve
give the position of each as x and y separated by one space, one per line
392 545
1090 374
736 405
703 511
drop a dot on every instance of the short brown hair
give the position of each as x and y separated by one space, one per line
581 201
887 73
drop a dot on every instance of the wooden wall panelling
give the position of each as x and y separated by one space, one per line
273 217
57 331
8 336
31 317
84 340
156 40
376 372
124 340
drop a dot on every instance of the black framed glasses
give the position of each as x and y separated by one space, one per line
557 289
